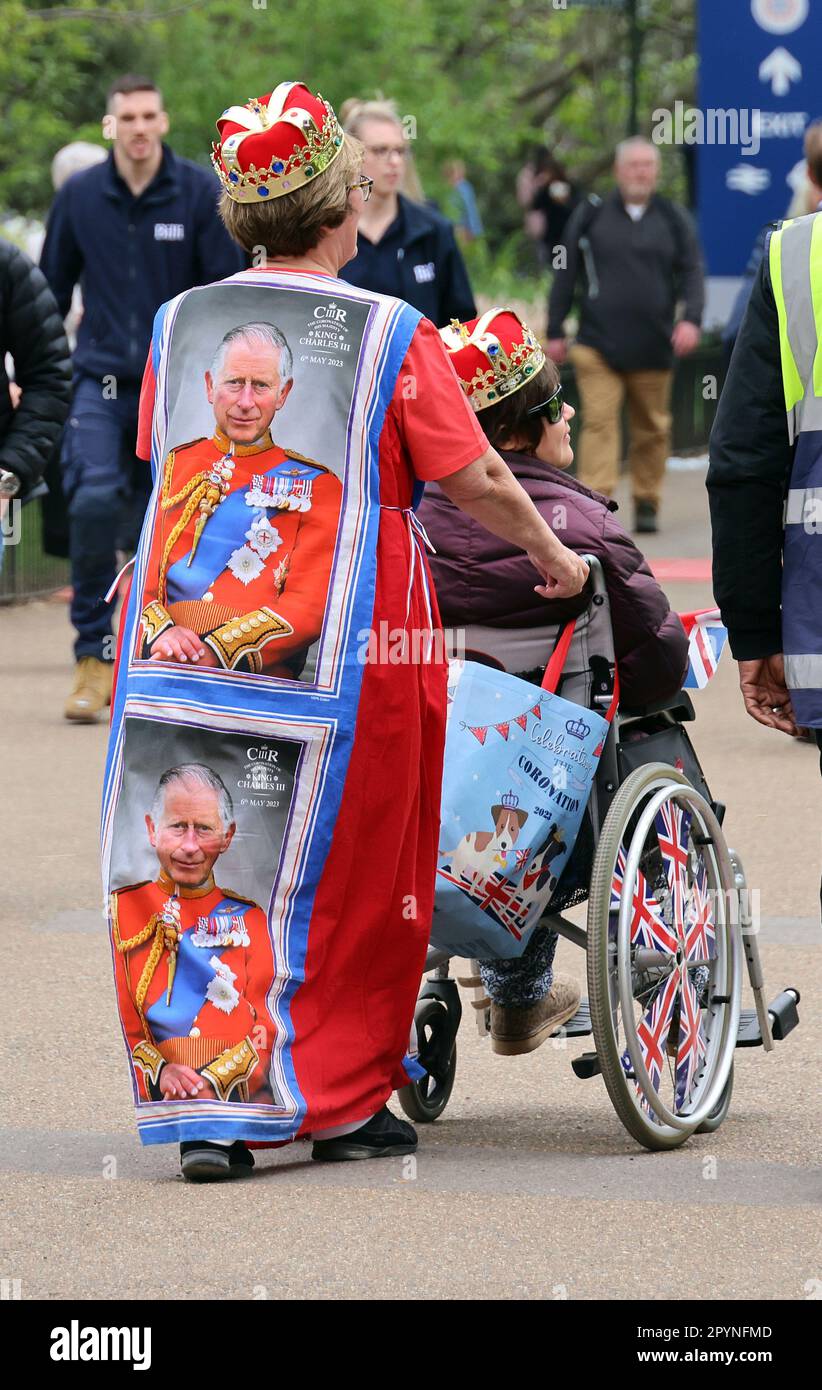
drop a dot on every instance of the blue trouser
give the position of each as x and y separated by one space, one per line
104 483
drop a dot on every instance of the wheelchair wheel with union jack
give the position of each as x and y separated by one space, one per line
664 958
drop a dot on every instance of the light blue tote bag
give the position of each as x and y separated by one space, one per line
519 765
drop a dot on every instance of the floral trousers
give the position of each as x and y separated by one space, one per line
521 982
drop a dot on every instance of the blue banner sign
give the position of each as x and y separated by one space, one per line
758 90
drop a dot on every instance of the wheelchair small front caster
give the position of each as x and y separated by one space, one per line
425 1100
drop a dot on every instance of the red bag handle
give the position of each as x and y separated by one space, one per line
556 665
559 656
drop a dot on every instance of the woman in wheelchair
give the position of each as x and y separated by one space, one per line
486 588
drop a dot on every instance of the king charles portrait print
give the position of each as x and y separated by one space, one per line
244 540
193 960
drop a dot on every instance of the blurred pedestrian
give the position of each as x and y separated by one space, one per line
765 447
69 160
553 200
467 220
135 230
808 198
34 406
404 248
633 257
743 294
72 159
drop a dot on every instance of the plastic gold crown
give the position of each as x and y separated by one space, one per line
508 368
284 173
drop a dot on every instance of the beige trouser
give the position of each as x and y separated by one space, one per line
601 393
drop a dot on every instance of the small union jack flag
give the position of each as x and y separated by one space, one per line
691 1050
673 826
652 1029
618 880
700 928
648 927
707 636
504 902
493 895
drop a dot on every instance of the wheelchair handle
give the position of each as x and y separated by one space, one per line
597 576
556 663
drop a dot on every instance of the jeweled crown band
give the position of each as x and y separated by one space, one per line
493 355
498 388
275 144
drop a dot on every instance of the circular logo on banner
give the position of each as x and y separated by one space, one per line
779 16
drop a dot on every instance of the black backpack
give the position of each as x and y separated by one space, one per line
592 208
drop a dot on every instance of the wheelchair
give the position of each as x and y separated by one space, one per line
669 928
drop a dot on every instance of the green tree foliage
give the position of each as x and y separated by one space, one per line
484 80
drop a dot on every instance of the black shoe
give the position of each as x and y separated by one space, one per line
645 519
383 1136
202 1161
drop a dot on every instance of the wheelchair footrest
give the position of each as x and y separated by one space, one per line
750 1034
586 1066
580 1025
783 1014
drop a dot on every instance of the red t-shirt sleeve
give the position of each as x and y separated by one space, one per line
439 429
146 410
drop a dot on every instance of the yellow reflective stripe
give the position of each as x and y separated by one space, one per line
791 380
816 294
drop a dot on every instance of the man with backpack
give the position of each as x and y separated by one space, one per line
634 257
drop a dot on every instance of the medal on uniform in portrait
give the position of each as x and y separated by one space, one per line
289 490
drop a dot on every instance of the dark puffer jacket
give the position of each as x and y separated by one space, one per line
31 330
482 579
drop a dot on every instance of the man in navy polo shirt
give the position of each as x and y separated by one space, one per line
133 231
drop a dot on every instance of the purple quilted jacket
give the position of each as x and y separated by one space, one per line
482 579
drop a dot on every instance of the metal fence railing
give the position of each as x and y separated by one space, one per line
28 572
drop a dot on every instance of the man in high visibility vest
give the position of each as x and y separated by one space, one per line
765 479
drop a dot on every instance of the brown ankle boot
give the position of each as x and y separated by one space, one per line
91 691
514 1031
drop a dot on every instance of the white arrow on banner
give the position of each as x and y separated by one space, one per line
780 68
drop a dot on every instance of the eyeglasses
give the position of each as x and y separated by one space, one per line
364 184
386 151
551 409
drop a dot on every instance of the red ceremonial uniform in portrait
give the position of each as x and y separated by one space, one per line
192 967
242 552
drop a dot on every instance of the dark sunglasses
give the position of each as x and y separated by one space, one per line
551 409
